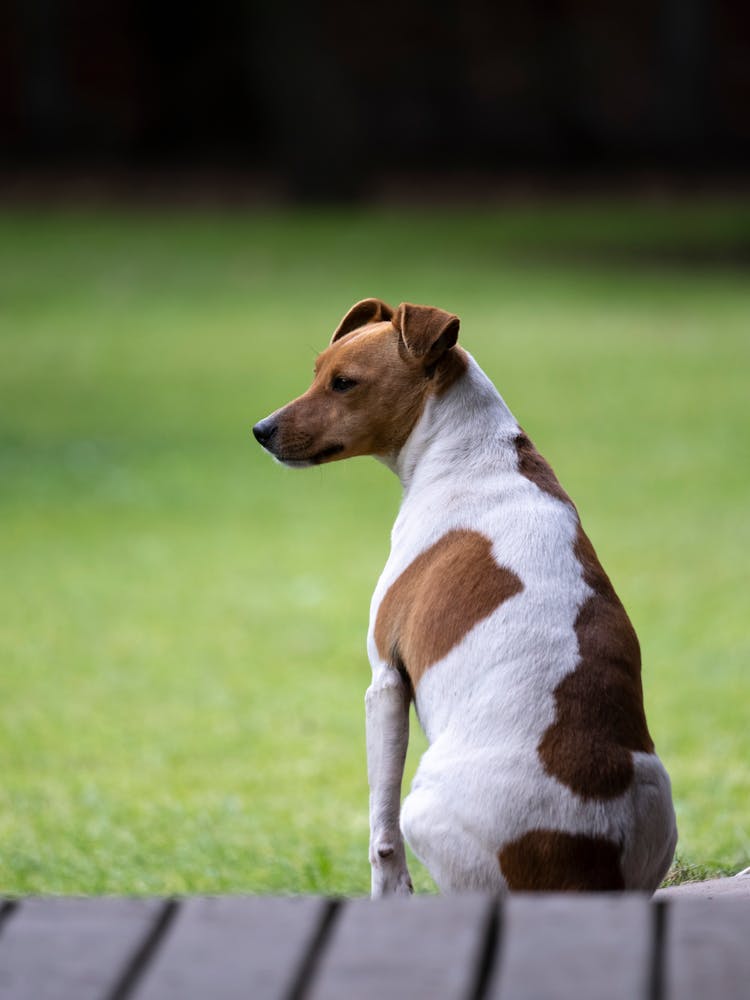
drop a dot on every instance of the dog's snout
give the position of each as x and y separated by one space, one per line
264 430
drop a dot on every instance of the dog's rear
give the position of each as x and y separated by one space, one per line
494 614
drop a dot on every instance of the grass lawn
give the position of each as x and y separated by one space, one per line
182 623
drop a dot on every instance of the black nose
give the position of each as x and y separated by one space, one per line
264 430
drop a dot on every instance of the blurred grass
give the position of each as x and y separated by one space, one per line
182 623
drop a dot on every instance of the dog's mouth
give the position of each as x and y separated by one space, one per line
326 453
316 459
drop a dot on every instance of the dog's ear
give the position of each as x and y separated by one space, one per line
364 312
427 332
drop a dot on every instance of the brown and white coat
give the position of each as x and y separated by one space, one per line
494 615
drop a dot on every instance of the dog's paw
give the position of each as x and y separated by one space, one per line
404 886
391 883
390 876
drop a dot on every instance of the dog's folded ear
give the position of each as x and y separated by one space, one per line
427 332
364 312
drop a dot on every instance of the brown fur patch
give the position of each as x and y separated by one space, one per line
439 598
449 370
376 416
537 469
373 418
551 861
600 720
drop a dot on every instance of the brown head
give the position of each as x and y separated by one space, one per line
370 386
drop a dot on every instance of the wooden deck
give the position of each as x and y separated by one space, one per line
468 947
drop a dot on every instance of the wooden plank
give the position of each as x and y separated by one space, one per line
735 886
707 949
71 949
233 947
582 946
425 946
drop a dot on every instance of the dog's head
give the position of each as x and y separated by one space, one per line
370 386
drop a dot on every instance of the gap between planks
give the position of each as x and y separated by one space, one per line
138 963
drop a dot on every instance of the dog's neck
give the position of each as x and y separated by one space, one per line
456 432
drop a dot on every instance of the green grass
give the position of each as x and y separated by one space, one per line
182 623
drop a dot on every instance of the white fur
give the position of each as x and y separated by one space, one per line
485 706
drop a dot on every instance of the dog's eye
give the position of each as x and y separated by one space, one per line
342 384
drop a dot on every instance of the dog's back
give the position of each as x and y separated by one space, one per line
524 665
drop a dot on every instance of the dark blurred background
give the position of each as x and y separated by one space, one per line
343 101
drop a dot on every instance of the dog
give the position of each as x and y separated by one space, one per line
494 616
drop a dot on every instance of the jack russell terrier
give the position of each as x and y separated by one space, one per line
494 615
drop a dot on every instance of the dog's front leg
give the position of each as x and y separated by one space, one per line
387 719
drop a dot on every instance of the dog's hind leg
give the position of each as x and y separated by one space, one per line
454 855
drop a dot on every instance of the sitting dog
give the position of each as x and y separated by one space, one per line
494 615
